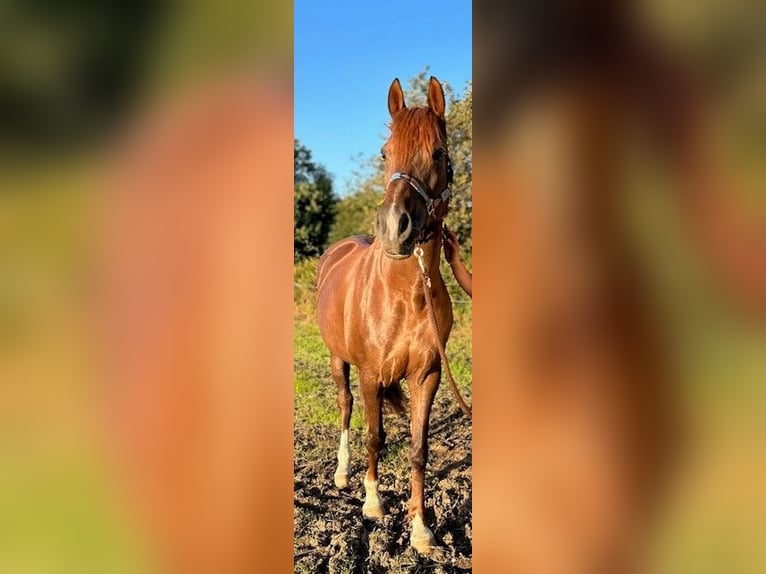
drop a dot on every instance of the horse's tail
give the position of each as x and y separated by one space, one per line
394 399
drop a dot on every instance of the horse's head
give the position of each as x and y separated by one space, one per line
418 172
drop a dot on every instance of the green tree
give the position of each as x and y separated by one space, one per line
355 212
314 205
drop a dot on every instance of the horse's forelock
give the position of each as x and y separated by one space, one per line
415 134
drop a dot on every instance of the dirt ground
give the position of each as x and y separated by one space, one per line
330 533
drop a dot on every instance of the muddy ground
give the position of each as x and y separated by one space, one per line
330 533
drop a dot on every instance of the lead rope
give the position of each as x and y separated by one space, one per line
418 252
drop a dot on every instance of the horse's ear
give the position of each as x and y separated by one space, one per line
395 97
436 97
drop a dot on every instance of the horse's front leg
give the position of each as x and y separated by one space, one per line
341 376
372 394
422 394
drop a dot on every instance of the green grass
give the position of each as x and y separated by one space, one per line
315 391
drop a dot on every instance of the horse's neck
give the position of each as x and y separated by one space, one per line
432 255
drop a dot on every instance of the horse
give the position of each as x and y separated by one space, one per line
372 303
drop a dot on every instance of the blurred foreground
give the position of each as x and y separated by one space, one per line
620 260
145 166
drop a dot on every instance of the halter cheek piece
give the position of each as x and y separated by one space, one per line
431 203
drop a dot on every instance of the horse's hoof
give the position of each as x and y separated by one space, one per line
341 479
423 544
421 538
373 510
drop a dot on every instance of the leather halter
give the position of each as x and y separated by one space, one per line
431 203
417 185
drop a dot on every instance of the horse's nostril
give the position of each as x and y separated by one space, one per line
404 223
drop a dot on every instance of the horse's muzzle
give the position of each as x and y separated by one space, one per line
396 230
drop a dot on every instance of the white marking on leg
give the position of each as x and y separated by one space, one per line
373 506
421 538
344 460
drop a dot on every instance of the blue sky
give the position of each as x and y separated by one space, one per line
346 56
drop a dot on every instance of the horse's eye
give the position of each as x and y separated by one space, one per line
382 153
438 154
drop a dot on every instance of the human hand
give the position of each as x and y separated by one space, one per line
451 247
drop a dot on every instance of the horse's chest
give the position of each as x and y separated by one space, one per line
405 356
399 345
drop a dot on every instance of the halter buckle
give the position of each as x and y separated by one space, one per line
418 253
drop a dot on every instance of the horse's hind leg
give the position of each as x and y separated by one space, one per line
372 394
340 374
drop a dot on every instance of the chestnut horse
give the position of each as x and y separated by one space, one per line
371 300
